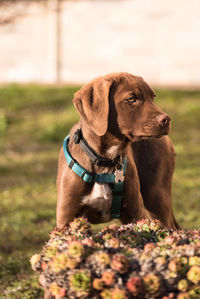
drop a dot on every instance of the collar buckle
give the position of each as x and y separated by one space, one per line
87 177
103 162
96 159
77 136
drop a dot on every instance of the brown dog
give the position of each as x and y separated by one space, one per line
118 119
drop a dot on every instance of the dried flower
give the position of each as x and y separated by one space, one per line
80 281
194 274
151 283
134 285
108 277
119 263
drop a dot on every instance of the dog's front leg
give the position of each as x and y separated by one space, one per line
133 206
67 208
71 190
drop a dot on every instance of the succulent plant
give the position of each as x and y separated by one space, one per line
178 265
75 250
135 285
141 260
112 242
120 263
88 242
59 262
80 227
106 294
80 282
149 246
72 263
50 249
151 283
194 261
183 285
195 292
35 261
102 258
98 284
194 274
56 290
183 295
117 293
169 296
108 277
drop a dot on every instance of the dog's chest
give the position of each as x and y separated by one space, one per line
100 198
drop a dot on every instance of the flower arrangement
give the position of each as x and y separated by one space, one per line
141 260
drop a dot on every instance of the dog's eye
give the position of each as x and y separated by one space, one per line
131 99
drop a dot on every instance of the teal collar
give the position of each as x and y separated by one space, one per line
89 177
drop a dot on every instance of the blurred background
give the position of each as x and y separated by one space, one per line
74 40
48 49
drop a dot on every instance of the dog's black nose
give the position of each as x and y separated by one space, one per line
163 119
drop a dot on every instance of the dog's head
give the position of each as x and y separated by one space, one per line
123 105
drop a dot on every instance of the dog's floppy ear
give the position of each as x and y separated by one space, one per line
92 102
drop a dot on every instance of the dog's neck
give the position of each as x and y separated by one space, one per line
106 146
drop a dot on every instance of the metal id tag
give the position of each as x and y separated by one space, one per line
119 175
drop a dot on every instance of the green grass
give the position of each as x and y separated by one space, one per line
33 122
184 109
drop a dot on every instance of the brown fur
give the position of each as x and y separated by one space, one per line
114 126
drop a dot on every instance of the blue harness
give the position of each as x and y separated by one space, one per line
89 177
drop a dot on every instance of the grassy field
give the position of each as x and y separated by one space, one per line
33 122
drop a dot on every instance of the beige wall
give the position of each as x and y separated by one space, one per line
159 40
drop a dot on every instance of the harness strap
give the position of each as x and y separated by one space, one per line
96 159
89 177
117 201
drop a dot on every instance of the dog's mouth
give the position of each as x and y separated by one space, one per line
147 131
133 137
